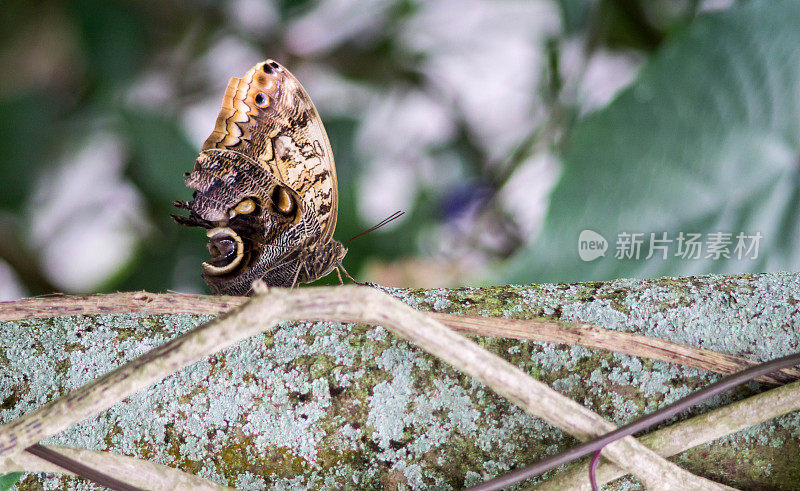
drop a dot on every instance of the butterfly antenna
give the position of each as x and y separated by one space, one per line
394 216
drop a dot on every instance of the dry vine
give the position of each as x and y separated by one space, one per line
346 304
690 433
140 473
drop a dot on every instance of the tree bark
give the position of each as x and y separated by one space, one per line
327 404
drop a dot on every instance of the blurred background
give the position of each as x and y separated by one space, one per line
502 128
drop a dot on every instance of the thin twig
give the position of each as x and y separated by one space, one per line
117 303
687 434
80 469
345 304
586 335
140 473
592 336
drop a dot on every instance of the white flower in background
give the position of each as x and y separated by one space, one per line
395 138
415 118
485 59
198 120
332 22
332 94
712 5
153 90
252 16
598 77
85 218
228 57
525 194
10 286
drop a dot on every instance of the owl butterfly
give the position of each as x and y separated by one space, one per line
265 187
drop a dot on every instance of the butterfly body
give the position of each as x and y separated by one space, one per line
265 187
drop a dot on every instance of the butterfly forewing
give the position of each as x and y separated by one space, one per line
268 116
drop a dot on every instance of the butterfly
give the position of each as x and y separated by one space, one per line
265 187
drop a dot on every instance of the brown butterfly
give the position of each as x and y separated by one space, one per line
265 187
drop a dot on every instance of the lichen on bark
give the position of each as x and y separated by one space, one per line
337 405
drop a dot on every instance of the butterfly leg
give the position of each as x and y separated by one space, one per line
296 275
340 269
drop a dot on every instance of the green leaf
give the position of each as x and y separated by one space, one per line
161 155
706 140
25 139
8 480
115 41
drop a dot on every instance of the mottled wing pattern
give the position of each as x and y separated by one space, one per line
268 116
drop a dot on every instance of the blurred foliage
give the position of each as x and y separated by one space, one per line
706 140
703 139
7 481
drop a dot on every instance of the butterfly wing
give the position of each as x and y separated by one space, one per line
265 187
268 116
